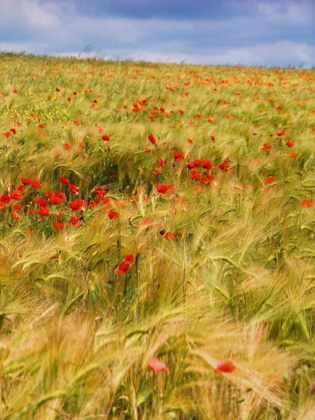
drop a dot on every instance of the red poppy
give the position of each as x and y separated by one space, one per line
194 175
164 189
128 259
157 366
105 137
15 216
178 156
269 180
224 367
77 205
43 211
280 133
5 198
15 195
58 226
13 130
60 194
26 181
17 207
290 143
152 139
74 189
74 220
224 167
122 268
55 200
64 180
169 236
68 146
156 172
113 214
162 162
35 183
306 204
2 205
267 146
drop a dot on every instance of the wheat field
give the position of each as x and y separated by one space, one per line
157 253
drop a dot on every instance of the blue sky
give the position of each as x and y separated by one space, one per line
249 32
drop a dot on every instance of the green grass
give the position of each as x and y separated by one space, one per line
236 283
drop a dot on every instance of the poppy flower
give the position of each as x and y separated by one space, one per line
212 138
43 211
267 146
17 207
128 259
74 220
169 236
152 139
178 156
68 146
5 198
156 172
35 183
57 89
280 133
74 189
224 367
58 226
15 195
60 194
77 205
224 167
64 180
157 366
7 134
290 143
269 180
162 162
55 200
194 175
122 268
26 181
306 204
164 189
2 205
113 214
15 216
13 130
204 163
41 126
105 137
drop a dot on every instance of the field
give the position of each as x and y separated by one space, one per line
157 252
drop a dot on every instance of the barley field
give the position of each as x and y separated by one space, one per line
157 246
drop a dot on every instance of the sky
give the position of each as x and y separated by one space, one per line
273 33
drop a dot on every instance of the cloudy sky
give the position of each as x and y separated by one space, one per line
248 32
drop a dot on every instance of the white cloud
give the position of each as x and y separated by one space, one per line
55 27
288 13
